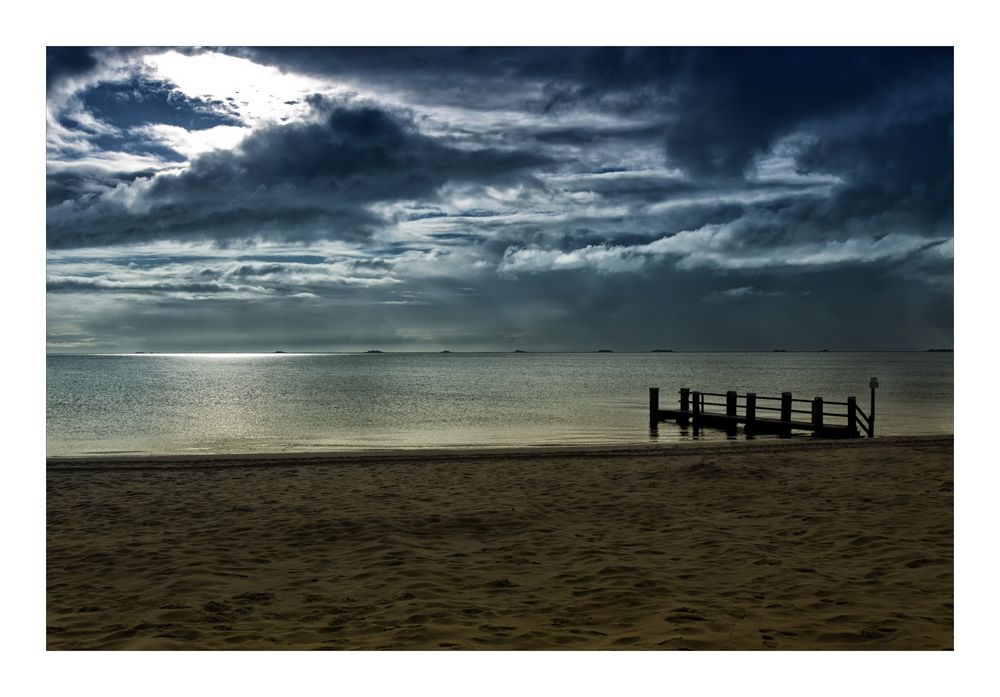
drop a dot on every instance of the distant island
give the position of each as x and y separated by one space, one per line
446 351
662 351
373 351
940 350
518 351
279 351
777 350
604 351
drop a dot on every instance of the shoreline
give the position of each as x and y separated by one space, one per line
265 459
735 545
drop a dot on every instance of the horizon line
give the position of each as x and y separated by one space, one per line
504 351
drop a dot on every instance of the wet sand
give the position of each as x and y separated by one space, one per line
738 545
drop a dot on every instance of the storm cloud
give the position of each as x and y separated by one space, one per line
488 198
296 181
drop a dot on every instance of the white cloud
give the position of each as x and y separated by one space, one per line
194 143
945 250
740 292
110 162
711 246
780 163
598 257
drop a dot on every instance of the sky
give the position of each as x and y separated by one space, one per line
343 199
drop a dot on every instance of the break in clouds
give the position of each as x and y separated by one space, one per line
542 199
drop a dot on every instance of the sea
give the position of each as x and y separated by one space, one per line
133 404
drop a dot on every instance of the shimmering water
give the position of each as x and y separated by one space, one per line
307 402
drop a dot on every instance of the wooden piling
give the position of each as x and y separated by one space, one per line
852 413
871 414
731 403
654 406
817 414
685 405
696 406
751 411
786 411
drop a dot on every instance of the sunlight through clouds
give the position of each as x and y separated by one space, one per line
257 93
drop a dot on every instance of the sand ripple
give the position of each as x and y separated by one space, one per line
735 546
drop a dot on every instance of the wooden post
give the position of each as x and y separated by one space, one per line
817 414
731 426
786 411
685 406
852 413
654 406
873 383
751 411
696 405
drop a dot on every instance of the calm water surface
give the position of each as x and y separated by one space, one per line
191 403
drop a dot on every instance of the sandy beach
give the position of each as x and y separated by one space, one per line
737 545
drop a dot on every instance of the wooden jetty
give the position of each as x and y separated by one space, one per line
759 414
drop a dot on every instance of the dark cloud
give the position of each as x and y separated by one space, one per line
82 182
540 79
716 112
734 102
720 106
296 181
582 136
535 197
840 308
359 153
724 106
63 62
66 63
420 69
895 175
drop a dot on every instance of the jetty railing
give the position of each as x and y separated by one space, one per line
696 408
